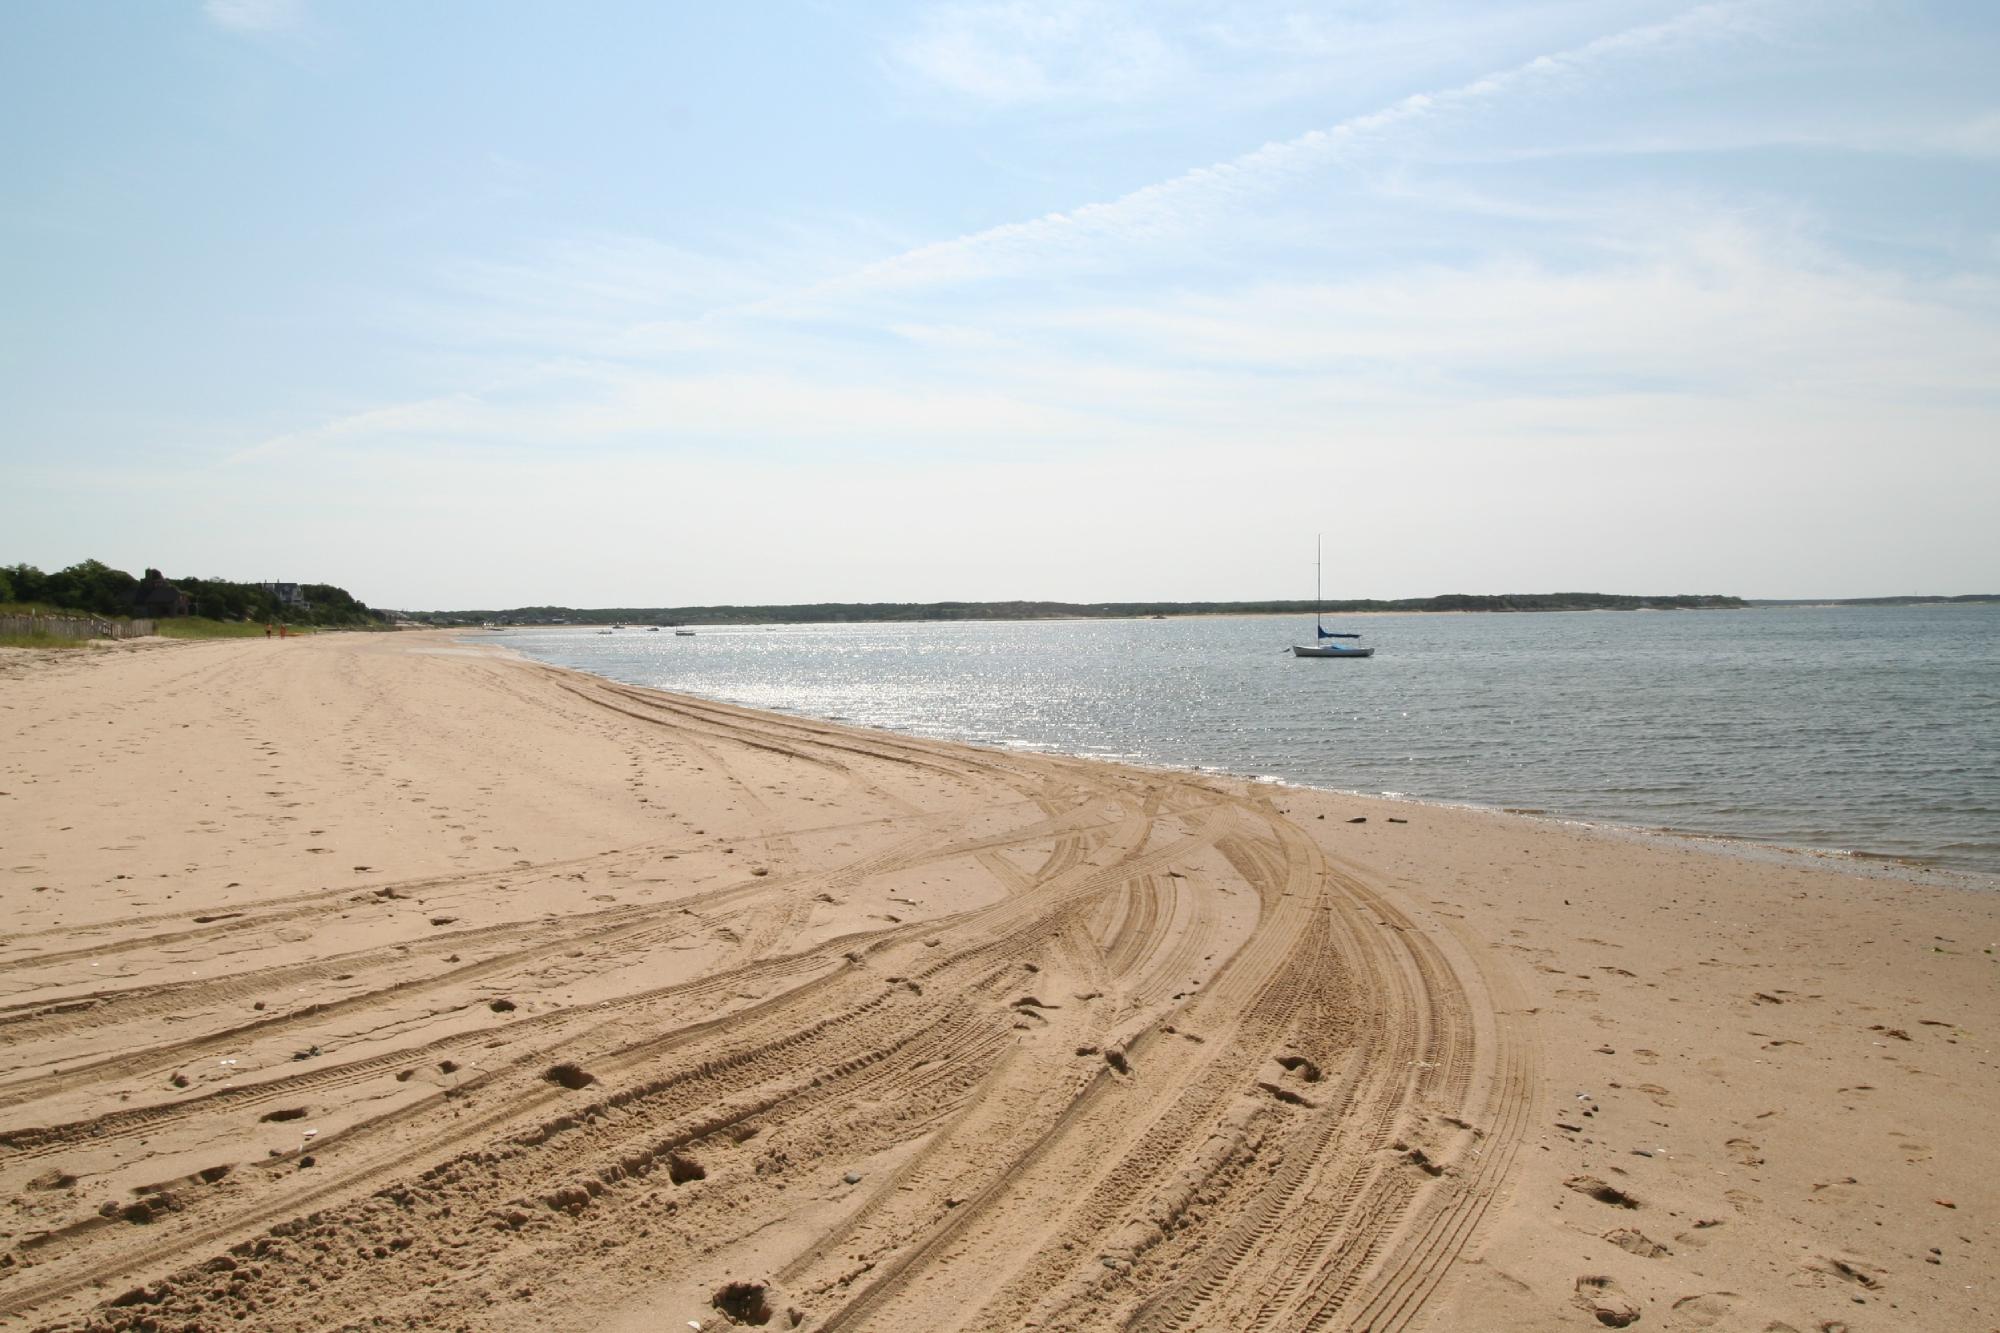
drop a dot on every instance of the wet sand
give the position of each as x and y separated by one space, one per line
376 981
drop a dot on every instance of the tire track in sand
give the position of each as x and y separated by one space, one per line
1185 1073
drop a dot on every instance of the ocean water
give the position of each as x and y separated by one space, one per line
1873 731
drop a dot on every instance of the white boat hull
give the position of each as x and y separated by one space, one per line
1319 647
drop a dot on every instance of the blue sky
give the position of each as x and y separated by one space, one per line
485 304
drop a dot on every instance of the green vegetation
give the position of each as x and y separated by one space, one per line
41 641
833 612
93 587
1968 599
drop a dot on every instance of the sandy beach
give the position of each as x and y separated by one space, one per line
380 981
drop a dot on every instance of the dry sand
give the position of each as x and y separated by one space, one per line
371 981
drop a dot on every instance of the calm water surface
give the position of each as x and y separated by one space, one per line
1874 730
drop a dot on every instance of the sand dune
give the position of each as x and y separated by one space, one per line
373 981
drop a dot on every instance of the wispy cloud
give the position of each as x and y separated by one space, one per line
787 411
1698 273
1659 332
781 359
1174 206
1724 312
1696 318
1171 59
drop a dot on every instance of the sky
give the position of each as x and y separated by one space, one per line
487 304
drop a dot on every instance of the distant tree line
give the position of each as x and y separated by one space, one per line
833 612
95 587
1913 599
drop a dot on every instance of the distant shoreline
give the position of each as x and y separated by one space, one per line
1969 599
822 613
890 612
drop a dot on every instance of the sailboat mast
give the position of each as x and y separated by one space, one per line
1316 594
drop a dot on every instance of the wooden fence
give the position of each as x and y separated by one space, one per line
76 627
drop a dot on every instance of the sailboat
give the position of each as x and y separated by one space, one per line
1321 645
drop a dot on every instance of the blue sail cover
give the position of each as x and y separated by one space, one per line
1325 633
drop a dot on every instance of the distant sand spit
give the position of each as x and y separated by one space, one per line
364 981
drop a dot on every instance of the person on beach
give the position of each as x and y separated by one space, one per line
267 631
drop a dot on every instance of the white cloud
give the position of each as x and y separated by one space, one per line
1171 208
672 346
591 408
1722 315
1176 60
1697 321
1593 363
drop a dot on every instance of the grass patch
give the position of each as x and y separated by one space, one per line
41 641
201 627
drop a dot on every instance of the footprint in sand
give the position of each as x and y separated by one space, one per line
1707 1310
1697 1236
1600 1296
1744 1153
1600 1191
1661 1097
1637 1242
1851 1270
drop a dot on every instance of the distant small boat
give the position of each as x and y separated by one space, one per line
652 629
684 633
1320 647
